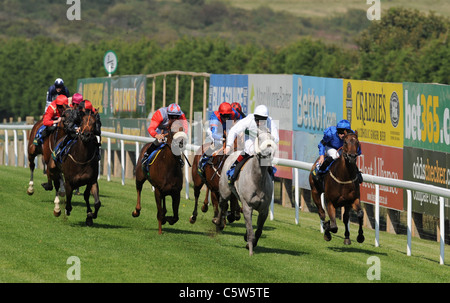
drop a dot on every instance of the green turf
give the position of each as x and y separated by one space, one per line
35 245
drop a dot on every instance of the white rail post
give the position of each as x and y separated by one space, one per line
15 148
272 202
409 221
25 149
137 152
296 195
122 159
186 175
109 160
6 148
442 230
377 215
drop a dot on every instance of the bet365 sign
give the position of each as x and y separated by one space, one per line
427 116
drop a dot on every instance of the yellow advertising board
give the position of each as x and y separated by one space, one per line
375 111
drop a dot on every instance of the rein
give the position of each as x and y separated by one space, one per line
94 154
83 163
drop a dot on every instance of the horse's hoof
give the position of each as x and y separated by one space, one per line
136 214
347 241
89 220
192 219
57 213
204 208
47 186
68 212
231 218
327 236
30 192
360 239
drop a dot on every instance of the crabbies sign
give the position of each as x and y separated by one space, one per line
375 110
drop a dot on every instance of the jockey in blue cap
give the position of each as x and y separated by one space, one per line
332 141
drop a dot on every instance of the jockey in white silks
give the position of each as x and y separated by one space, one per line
251 123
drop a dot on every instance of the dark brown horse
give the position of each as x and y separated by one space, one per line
211 178
80 166
45 149
341 188
165 175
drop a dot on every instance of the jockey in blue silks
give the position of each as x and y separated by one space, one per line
332 141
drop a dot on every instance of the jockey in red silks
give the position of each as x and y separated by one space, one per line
159 124
52 117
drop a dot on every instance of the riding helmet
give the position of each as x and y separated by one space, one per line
174 110
225 108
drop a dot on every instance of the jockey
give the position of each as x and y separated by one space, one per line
86 106
332 141
55 90
252 122
71 123
76 100
218 126
52 117
237 107
159 125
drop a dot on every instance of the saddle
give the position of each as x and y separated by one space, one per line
58 154
237 168
38 138
148 160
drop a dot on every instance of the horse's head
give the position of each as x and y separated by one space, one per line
265 146
350 148
88 127
177 138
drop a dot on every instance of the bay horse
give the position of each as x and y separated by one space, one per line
165 174
80 166
45 149
341 189
253 187
212 173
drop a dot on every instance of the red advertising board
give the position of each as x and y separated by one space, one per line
285 152
382 161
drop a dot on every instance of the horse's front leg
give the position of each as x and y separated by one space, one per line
96 195
197 189
249 235
219 220
357 207
90 216
140 180
346 218
160 213
59 196
175 206
261 220
32 165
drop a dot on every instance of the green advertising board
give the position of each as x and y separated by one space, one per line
426 151
119 97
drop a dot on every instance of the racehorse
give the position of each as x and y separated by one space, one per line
165 175
80 165
253 187
211 178
45 149
341 189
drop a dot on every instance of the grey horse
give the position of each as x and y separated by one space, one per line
254 188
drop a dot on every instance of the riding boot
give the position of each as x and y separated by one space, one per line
201 164
233 172
325 164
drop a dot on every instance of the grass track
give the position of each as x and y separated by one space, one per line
119 248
